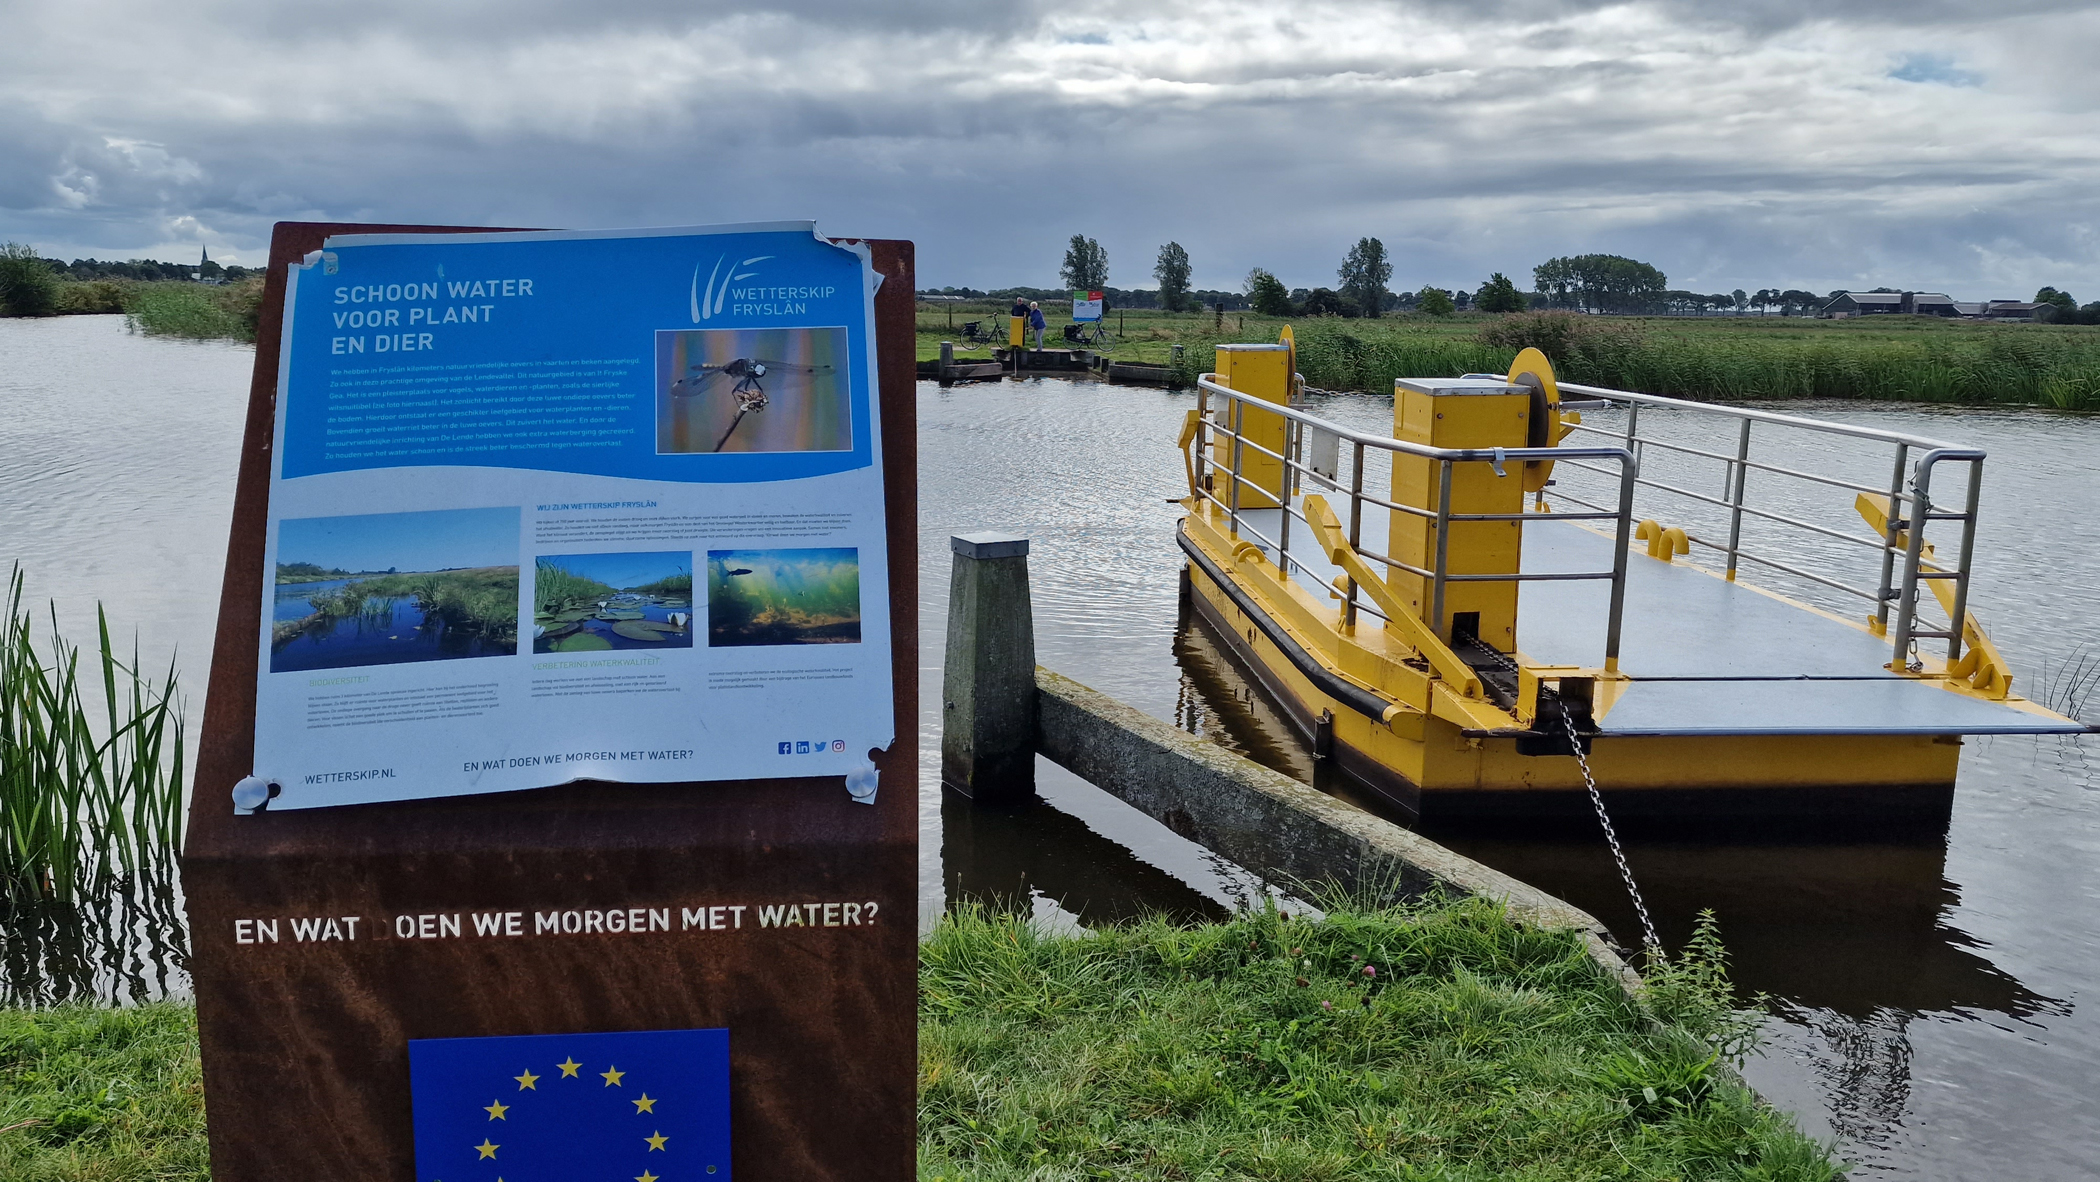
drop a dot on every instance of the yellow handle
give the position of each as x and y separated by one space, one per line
1328 529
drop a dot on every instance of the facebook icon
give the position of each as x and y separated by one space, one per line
786 748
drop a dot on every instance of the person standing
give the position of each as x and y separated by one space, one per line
1017 333
1036 322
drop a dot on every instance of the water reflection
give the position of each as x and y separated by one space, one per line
121 939
1006 858
1854 928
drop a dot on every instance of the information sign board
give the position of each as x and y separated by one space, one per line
561 506
730 939
1086 305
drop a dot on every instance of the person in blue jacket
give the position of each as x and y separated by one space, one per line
1036 322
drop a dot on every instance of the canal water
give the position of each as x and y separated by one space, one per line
1931 998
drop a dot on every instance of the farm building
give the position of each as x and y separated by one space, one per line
1867 303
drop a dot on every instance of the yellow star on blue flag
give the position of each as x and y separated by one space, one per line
566 1123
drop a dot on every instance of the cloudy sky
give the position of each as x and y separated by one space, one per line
1790 143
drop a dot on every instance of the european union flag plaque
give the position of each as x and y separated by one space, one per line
548 823
646 1105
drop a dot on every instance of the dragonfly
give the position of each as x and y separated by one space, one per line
747 385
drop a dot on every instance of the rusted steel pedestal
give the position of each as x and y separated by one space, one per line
325 939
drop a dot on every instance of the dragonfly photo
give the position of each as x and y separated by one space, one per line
752 390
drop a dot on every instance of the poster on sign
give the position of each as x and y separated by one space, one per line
571 505
1086 305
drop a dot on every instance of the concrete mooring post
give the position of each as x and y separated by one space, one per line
988 737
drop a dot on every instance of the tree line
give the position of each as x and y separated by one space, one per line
31 285
1602 284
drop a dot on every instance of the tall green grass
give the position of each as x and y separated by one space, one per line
481 602
555 589
1961 364
90 812
194 310
678 584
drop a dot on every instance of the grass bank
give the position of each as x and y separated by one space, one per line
1442 1043
1901 358
90 1094
1259 1048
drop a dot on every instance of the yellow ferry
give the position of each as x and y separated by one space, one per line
1470 617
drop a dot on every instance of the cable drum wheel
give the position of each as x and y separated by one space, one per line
1532 370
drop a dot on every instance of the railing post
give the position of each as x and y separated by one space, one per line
1203 464
1633 419
1968 550
1232 503
1913 552
1612 627
1888 545
1443 549
1356 517
1290 479
988 703
1735 498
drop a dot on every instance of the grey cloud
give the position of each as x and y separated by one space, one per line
1732 145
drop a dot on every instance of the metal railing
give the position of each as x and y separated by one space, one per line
1910 504
1229 422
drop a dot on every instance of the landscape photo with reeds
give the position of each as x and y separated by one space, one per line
594 602
385 588
767 597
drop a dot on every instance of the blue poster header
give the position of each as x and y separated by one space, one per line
710 357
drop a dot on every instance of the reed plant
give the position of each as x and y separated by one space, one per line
482 601
90 811
680 584
1733 361
555 589
197 311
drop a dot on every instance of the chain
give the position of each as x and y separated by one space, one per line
1611 836
1653 946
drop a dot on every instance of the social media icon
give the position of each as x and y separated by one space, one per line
802 747
838 744
786 747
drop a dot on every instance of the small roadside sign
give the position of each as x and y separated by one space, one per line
1086 305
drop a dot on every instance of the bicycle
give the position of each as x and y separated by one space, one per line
977 334
1092 335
